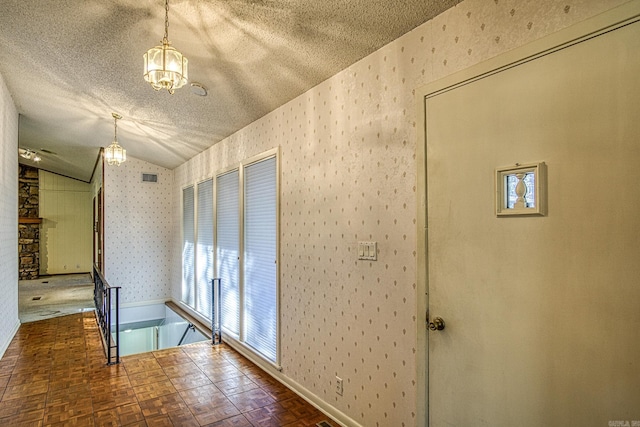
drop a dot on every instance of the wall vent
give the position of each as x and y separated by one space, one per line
149 177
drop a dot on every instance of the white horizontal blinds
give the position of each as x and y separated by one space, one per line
260 287
227 248
188 238
204 249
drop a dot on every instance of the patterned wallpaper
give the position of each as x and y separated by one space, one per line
8 217
348 174
138 231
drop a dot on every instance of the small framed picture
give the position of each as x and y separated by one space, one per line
521 189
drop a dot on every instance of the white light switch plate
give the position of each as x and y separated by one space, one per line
368 251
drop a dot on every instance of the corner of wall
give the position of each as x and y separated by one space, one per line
9 322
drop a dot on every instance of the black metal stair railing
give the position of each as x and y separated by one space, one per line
190 327
216 312
107 301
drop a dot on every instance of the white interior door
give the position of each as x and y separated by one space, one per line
542 313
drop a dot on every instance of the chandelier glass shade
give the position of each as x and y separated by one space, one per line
114 154
164 66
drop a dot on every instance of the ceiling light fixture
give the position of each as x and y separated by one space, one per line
114 154
164 66
26 153
29 154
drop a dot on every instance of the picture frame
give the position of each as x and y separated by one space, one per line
521 189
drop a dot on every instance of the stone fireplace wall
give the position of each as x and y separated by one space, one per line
28 223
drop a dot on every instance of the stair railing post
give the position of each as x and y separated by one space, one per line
117 324
216 314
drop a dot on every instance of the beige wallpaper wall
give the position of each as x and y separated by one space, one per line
8 218
138 231
66 237
348 174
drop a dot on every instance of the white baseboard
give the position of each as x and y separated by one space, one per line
337 415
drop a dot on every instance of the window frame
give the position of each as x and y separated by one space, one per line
243 165
196 234
182 242
236 168
238 339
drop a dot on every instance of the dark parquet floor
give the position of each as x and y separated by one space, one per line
54 374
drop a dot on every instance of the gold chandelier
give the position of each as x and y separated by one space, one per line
164 66
114 154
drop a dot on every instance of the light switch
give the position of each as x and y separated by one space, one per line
373 251
368 251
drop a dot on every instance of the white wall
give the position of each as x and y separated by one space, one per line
138 231
9 322
349 174
66 235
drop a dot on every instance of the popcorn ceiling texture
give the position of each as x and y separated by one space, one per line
138 231
348 173
231 46
8 217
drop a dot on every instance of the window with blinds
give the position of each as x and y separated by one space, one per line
204 249
188 240
260 286
243 221
227 248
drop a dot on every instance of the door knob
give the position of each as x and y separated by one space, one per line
437 324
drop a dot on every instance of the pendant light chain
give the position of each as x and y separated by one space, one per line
116 117
166 22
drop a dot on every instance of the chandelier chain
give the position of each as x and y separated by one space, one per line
116 117
166 21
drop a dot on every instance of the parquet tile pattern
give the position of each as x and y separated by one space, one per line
54 374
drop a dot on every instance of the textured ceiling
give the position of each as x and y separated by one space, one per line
70 63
